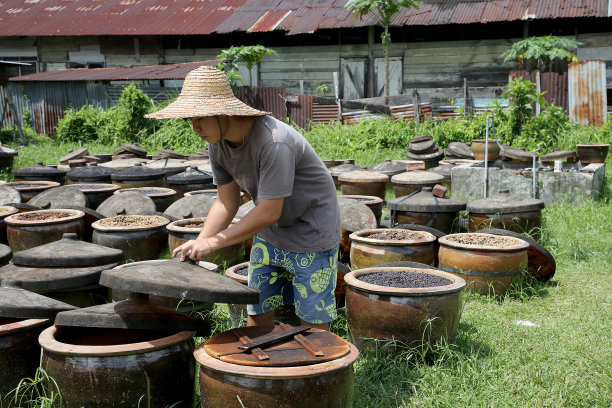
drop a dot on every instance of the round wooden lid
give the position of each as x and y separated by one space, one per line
425 201
504 203
190 176
58 197
389 167
138 172
279 346
559 155
435 155
132 148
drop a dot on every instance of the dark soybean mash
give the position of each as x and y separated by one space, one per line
404 279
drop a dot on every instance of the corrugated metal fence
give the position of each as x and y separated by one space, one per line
587 92
554 85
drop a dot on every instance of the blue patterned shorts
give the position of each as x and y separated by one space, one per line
307 281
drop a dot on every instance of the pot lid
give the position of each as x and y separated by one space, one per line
24 207
130 202
421 144
58 197
180 280
416 178
559 155
94 188
193 206
5 254
512 153
138 172
73 155
191 176
343 168
68 251
19 303
460 149
245 208
541 263
39 170
425 201
7 152
166 165
134 313
504 202
9 194
435 155
122 164
279 346
153 192
171 153
389 167
444 171
355 216
363 176
91 172
134 149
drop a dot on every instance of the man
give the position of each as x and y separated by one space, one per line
296 219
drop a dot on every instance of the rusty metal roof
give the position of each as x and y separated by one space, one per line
200 17
171 71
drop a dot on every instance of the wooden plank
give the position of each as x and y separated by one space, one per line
290 75
311 64
449 59
603 53
497 50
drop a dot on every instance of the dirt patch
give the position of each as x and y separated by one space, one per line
132 221
484 240
395 235
244 271
42 216
404 279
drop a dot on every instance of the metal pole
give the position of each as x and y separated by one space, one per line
486 161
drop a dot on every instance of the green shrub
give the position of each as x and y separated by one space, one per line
81 125
174 134
126 121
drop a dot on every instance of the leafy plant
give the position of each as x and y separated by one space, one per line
523 95
541 52
126 121
81 125
322 88
248 55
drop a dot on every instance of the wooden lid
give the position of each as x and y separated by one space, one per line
5 254
181 280
343 168
121 164
512 153
132 148
22 304
192 206
363 176
294 346
559 155
9 194
416 178
58 197
167 165
130 203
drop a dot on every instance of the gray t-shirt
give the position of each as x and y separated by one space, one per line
277 162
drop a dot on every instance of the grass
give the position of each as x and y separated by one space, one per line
564 360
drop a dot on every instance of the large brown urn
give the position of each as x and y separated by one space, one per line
33 228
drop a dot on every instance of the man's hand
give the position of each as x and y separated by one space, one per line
194 248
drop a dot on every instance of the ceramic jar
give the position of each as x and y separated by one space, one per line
29 189
592 153
362 182
139 176
40 172
191 179
96 193
412 181
34 228
480 146
7 156
341 168
5 211
91 173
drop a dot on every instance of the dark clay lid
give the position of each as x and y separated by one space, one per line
505 203
68 251
138 172
24 207
343 168
73 155
171 154
7 152
421 144
52 278
558 155
389 167
134 313
512 153
416 178
58 197
193 206
460 149
355 216
91 172
129 203
425 201
180 280
39 170
437 154
9 194
5 254
19 303
190 176
133 149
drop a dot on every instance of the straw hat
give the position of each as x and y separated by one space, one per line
206 92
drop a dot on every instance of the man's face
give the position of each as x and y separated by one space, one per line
207 128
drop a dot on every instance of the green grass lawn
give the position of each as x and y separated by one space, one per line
564 360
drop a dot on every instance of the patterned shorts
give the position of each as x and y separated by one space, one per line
307 281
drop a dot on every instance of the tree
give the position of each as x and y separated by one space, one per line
249 55
382 11
541 52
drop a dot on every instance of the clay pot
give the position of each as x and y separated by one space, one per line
478 148
354 216
5 211
140 237
34 228
592 153
162 197
191 179
7 156
180 232
139 176
372 202
118 368
363 182
488 263
40 172
96 193
411 181
367 252
414 317
341 168
19 352
29 189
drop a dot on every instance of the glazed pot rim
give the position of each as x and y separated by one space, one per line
164 192
8 213
457 283
357 237
175 227
74 215
40 183
21 325
129 228
50 344
109 187
229 272
446 242
275 373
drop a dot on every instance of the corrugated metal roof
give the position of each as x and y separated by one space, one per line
191 17
171 71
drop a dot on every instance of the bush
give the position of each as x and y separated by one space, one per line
81 125
126 121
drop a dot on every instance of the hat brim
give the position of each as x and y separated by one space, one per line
195 107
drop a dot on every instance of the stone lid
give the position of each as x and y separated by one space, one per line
130 202
7 152
75 154
416 178
192 175
9 194
58 197
343 168
5 254
388 167
421 144
460 149
122 164
192 206
168 166
425 201
435 155
444 171
559 155
91 172
68 251
134 149
281 346
19 303
504 202
355 216
512 153
363 176
138 172
39 170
